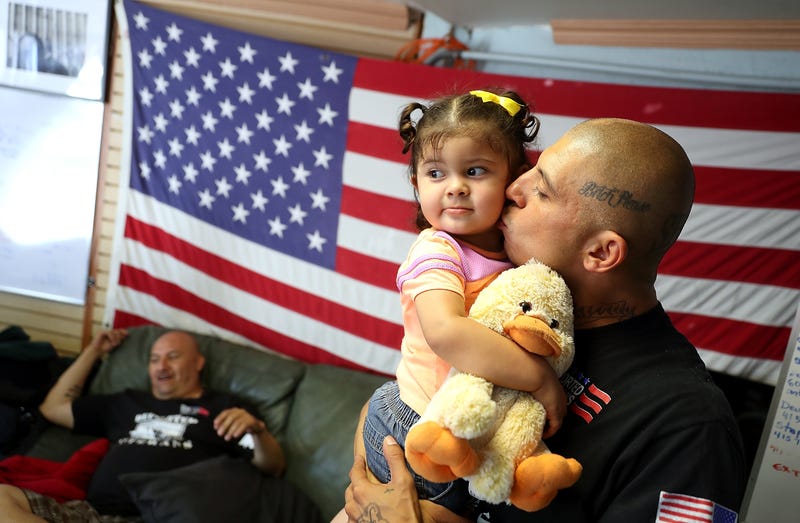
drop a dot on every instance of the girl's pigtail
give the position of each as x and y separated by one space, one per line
530 125
408 130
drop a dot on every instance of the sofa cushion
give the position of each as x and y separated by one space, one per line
218 489
319 435
263 380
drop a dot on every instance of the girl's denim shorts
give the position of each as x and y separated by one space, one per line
389 415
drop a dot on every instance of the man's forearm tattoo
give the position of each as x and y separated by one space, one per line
74 392
613 196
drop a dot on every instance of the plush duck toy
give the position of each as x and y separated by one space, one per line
491 435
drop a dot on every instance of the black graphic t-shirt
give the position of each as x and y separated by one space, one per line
148 435
644 417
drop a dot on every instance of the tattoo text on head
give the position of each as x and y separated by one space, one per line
613 196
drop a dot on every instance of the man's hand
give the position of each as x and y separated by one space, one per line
367 500
106 341
268 455
235 422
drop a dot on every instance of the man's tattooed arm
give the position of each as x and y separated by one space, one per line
57 405
74 392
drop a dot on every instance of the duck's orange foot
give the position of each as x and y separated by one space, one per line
437 455
538 479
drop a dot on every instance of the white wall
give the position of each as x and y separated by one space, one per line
712 68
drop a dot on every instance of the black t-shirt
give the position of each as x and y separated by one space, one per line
148 435
644 417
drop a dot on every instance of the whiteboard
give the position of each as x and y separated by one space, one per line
49 157
773 493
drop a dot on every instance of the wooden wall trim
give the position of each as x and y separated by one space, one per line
373 13
372 28
699 34
87 331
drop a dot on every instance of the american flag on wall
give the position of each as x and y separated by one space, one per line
267 200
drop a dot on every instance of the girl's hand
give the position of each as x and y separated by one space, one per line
551 395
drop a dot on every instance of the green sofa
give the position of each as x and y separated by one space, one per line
311 408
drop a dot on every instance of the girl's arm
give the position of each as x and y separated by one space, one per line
471 347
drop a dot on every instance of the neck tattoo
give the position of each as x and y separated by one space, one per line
616 311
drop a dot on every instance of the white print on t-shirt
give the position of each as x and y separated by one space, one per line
247 442
163 431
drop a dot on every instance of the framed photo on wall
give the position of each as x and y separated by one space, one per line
55 46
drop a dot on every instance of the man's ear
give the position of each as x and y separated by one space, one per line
606 250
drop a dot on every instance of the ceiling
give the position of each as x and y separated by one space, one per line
486 13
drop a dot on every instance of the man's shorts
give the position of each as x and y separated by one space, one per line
74 511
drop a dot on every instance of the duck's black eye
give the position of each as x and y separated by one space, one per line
554 323
526 306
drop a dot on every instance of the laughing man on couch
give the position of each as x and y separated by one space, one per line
177 424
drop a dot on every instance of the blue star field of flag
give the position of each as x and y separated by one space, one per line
241 131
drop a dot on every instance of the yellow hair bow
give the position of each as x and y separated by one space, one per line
505 102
